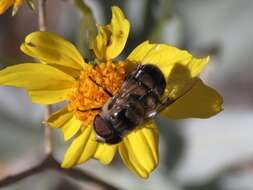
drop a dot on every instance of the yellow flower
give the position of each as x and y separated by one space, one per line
62 74
5 4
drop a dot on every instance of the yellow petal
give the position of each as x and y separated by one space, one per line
70 128
65 120
90 146
166 57
49 96
139 150
58 118
112 38
77 148
68 70
52 49
40 80
105 153
200 102
102 152
5 4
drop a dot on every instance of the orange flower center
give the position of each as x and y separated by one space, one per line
92 88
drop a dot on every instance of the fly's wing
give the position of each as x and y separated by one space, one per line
145 85
168 101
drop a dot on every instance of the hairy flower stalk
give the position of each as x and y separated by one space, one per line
48 108
63 75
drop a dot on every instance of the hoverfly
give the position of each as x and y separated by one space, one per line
138 100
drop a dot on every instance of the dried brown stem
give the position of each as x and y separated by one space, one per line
81 175
11 179
49 163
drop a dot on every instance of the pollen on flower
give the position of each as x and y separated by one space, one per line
89 92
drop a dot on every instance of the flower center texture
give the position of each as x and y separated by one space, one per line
93 89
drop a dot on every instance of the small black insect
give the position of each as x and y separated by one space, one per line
138 100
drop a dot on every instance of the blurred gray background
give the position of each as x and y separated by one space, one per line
196 154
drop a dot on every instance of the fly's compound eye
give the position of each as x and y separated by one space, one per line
102 127
105 131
